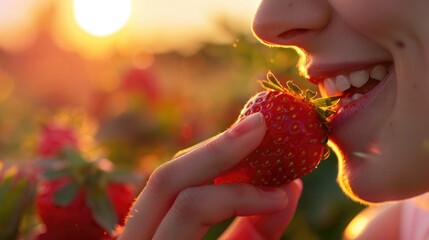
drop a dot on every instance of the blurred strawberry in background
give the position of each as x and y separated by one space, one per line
142 82
54 137
83 199
80 194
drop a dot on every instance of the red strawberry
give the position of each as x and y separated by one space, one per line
295 140
54 137
82 201
75 220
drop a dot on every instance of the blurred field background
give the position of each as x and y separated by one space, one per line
143 79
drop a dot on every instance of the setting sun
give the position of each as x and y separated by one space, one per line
102 17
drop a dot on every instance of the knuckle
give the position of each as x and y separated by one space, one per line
218 151
189 202
215 149
241 191
161 178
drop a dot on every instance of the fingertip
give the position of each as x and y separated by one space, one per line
293 188
296 184
299 185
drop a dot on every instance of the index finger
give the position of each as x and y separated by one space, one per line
195 167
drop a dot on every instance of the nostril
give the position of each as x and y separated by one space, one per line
279 24
292 33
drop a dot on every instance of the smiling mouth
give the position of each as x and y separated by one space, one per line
353 85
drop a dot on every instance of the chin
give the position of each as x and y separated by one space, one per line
381 173
364 171
354 177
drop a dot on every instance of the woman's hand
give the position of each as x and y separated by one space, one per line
177 202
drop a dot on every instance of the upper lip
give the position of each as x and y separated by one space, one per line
318 72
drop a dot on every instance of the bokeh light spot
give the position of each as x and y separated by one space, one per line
102 17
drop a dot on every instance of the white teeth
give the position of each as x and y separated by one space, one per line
378 72
342 83
346 101
359 78
356 96
330 87
336 86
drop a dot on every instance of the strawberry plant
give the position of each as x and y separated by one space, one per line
296 136
17 189
82 199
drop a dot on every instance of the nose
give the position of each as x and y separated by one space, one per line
290 22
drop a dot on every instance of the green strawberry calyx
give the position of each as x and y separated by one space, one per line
325 107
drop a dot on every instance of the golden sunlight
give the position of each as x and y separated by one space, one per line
356 227
7 85
102 17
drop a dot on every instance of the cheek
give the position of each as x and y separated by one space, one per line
370 17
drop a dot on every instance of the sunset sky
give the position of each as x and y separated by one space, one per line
157 25
179 21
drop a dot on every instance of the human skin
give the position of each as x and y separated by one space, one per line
381 138
178 201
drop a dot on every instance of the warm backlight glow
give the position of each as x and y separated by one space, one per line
356 227
7 86
102 17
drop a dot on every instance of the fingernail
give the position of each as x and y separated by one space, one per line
247 124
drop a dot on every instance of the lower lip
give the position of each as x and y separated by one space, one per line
350 110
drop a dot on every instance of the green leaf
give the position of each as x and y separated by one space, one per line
6 183
53 174
14 204
102 209
65 195
74 158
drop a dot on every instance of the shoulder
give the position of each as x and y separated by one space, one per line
376 222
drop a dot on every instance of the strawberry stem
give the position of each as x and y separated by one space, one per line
310 95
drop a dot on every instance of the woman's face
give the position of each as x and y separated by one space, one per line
375 56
